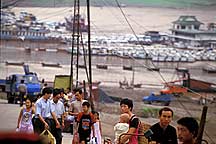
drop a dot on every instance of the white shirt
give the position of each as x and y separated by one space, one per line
119 129
58 108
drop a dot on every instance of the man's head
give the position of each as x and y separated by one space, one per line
78 94
68 90
47 92
62 92
22 81
124 118
165 116
187 129
85 106
56 95
126 105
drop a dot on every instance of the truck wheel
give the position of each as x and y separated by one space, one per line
16 100
147 102
10 99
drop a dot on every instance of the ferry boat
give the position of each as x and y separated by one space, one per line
71 21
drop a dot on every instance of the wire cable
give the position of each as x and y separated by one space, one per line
137 37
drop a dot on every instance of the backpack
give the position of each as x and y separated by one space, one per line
142 127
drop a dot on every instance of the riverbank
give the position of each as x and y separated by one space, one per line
141 18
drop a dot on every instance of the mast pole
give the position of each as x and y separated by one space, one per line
89 54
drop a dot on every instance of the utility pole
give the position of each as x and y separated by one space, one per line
75 36
89 52
202 125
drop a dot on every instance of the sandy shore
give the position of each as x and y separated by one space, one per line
110 19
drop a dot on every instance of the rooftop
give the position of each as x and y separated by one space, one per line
187 20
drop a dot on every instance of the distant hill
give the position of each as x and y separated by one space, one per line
151 3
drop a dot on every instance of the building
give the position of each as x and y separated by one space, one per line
186 32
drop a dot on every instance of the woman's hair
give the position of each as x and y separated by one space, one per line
127 102
95 112
29 100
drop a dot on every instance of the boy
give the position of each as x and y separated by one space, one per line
85 120
187 130
121 127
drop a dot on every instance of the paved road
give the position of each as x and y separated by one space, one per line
8 119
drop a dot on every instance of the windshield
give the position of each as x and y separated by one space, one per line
27 79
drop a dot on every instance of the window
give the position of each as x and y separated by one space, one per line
182 27
177 26
196 27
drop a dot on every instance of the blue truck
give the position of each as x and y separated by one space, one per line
10 85
161 98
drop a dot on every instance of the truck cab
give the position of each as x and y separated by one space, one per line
31 81
158 98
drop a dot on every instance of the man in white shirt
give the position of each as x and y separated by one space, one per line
44 115
58 108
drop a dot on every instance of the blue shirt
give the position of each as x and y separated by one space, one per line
43 108
58 108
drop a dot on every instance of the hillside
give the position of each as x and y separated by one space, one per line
151 3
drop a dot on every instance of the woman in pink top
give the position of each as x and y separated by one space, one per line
126 107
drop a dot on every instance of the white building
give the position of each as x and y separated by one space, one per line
186 30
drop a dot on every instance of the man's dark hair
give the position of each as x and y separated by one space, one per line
69 88
47 90
22 81
127 102
61 90
165 109
77 90
190 123
86 104
56 92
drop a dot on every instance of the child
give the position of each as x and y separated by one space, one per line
97 128
24 123
85 120
122 126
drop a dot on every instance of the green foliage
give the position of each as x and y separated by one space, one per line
150 112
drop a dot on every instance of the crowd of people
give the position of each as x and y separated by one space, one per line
55 107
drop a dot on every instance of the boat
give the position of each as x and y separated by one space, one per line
130 68
71 20
153 68
24 32
99 66
14 63
209 69
51 65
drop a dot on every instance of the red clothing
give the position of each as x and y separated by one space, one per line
134 123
